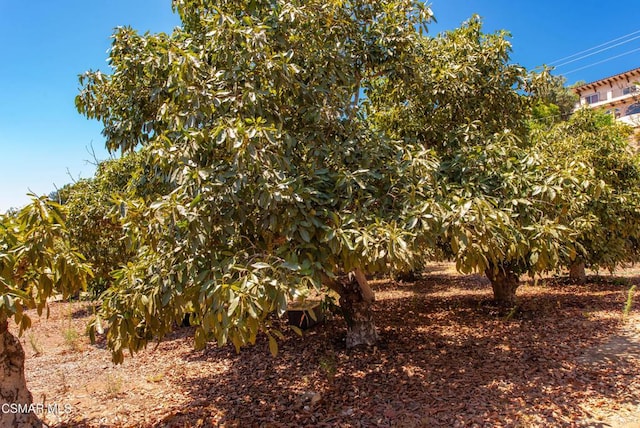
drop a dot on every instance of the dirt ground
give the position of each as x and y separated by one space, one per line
568 356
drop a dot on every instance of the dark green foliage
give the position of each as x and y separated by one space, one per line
36 261
502 205
302 140
607 227
280 181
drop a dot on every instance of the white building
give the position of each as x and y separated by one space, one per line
618 94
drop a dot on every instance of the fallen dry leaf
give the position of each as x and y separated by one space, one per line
447 357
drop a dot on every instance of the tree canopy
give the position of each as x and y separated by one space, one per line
36 261
254 112
306 144
606 226
503 205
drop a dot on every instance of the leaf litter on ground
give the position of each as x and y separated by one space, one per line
447 357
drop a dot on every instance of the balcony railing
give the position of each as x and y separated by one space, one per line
601 98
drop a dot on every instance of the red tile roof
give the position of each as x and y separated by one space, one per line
625 75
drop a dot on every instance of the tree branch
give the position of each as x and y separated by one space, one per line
367 292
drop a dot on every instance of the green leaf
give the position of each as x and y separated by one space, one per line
233 305
291 266
304 234
260 265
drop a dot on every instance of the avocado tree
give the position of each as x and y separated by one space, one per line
553 101
36 262
505 208
608 225
254 111
511 213
94 227
93 208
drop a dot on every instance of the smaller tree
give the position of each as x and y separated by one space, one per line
36 262
509 212
94 208
608 225
501 206
553 100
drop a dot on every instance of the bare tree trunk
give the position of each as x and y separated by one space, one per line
577 271
504 283
15 398
356 298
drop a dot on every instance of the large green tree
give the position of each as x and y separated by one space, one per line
36 262
504 206
254 112
310 143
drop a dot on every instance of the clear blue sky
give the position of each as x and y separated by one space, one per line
45 44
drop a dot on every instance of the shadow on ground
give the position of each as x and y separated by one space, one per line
447 357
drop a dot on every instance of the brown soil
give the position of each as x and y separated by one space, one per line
447 357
